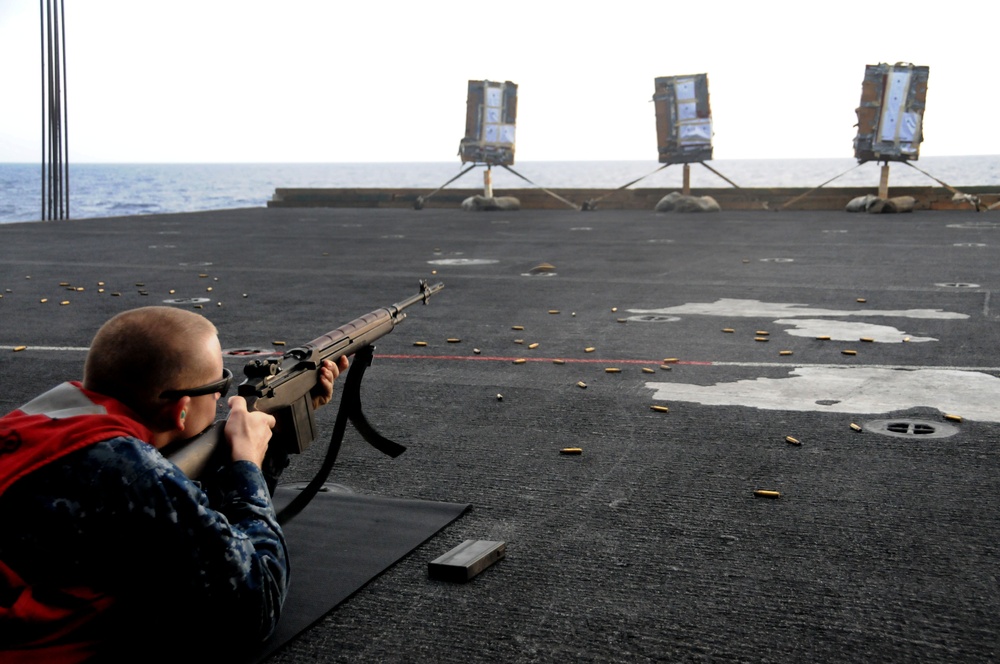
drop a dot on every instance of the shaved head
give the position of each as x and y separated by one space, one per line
142 352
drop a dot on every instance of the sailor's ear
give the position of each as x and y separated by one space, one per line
177 413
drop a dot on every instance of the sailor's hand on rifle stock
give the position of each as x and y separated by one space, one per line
248 432
328 372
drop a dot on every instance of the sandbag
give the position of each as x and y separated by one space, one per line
678 202
872 204
488 203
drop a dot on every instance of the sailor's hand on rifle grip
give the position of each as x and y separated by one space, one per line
248 432
328 372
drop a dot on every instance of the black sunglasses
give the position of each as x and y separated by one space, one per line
221 385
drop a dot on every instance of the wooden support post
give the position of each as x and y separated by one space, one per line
488 183
686 188
883 182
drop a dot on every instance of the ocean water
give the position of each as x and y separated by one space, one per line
105 190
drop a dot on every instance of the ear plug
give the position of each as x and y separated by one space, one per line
183 414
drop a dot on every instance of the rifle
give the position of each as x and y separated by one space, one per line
282 387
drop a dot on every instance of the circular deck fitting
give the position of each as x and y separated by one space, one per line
911 428
187 300
957 284
654 318
249 352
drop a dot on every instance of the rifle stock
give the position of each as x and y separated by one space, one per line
193 455
282 387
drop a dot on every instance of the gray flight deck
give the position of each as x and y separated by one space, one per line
650 545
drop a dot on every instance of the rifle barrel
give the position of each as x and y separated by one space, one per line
425 292
347 336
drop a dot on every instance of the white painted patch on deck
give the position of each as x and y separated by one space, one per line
737 308
839 330
971 394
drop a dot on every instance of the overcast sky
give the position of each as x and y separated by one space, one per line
348 81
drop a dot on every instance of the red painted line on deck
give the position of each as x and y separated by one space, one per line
496 358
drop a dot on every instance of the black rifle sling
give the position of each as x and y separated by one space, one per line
350 409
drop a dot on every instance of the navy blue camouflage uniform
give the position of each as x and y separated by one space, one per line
186 561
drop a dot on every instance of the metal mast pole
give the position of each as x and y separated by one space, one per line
55 142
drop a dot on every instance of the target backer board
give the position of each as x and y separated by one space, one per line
891 113
490 118
683 118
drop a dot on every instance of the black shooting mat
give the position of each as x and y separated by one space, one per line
339 543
